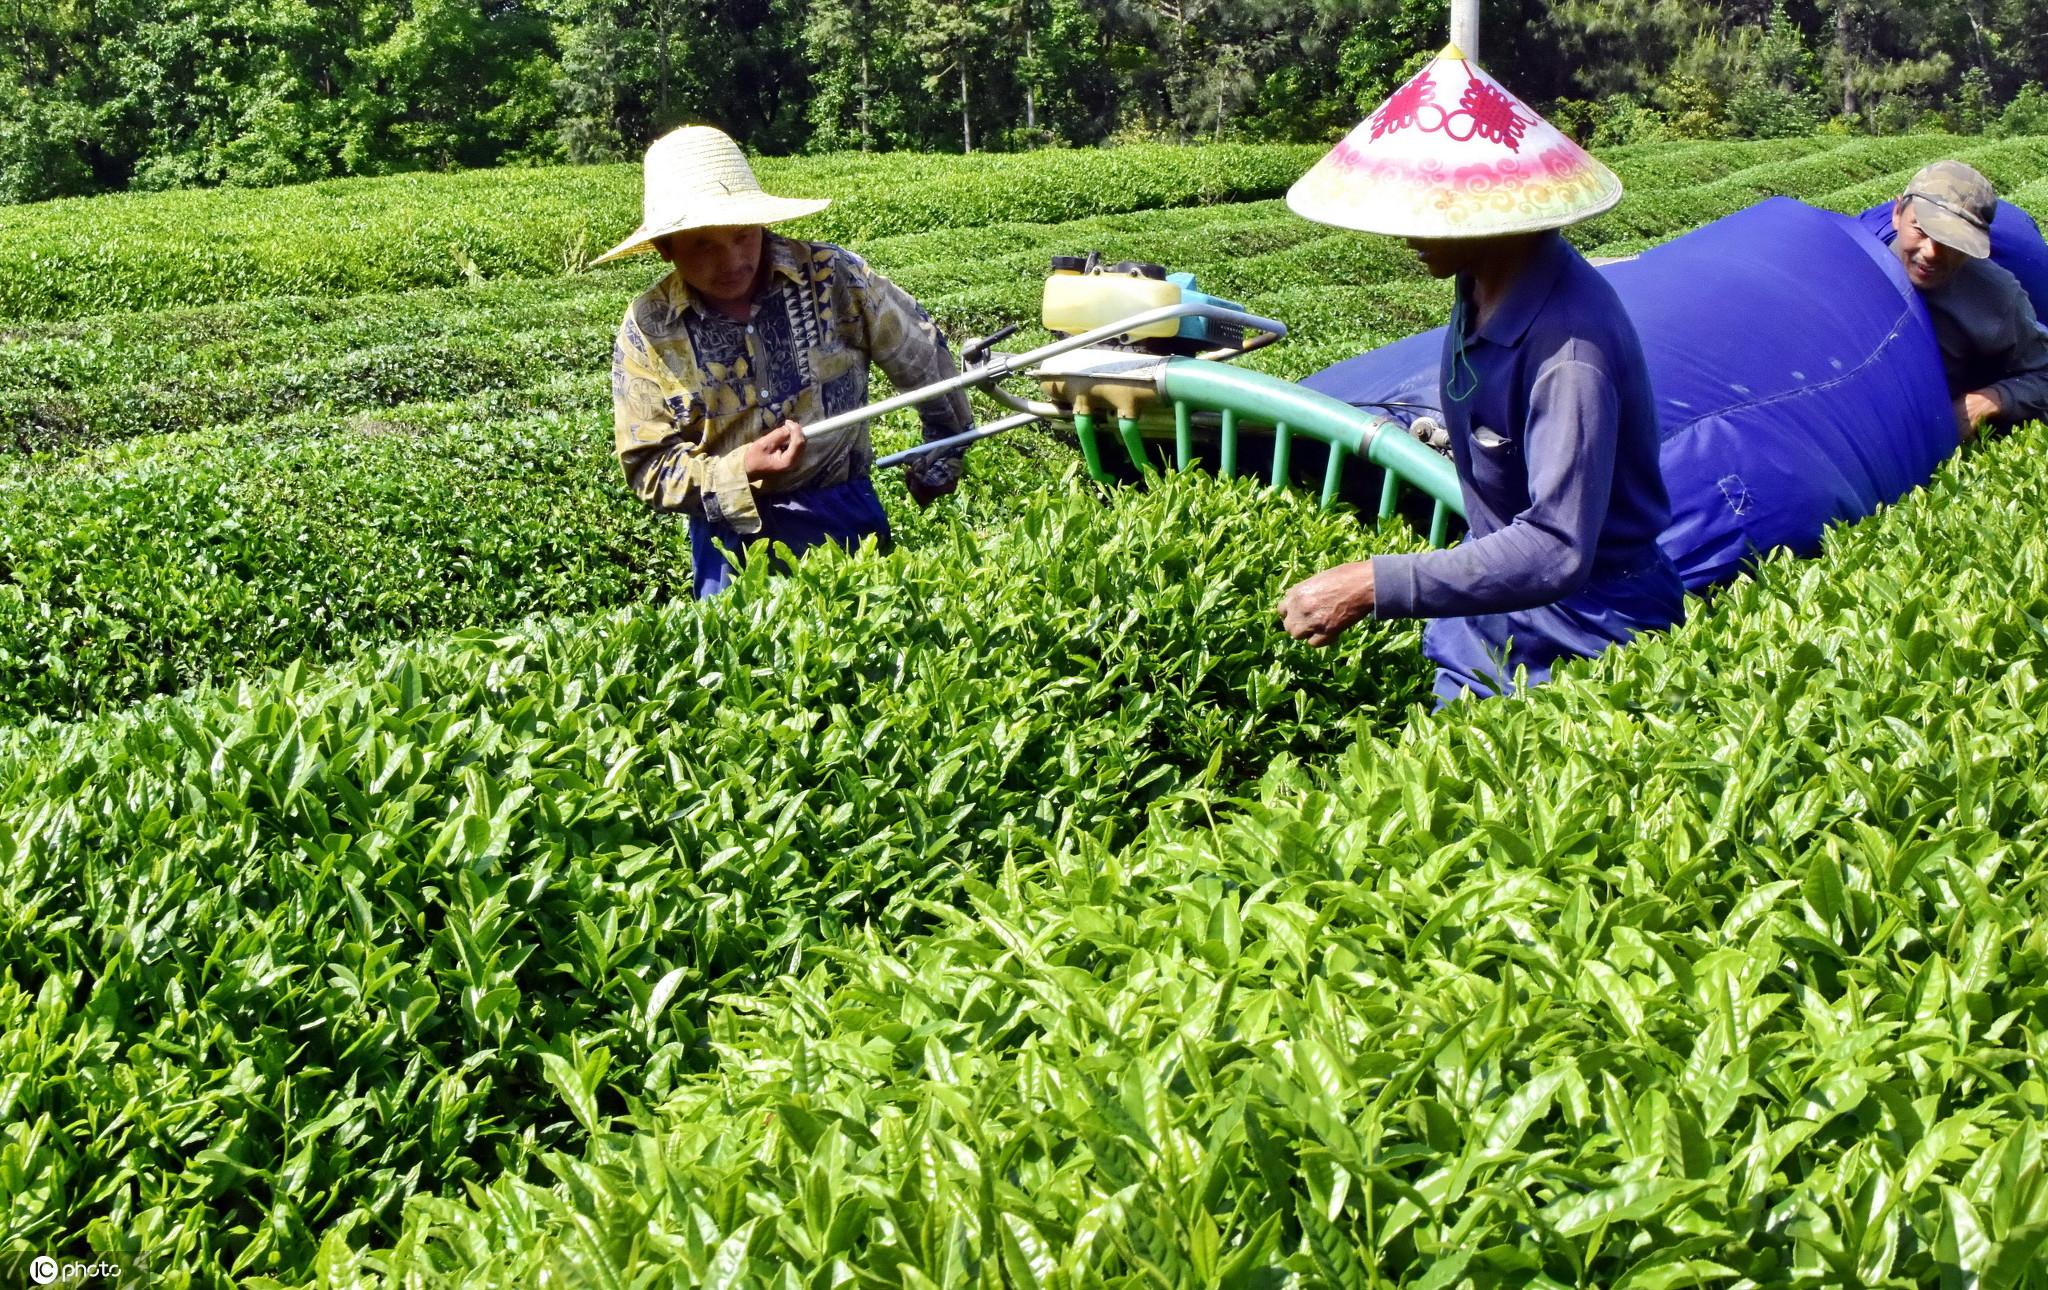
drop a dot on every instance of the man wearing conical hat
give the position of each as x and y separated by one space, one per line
1545 393
750 337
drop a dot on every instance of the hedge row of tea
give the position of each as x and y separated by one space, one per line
1850 177
124 374
72 384
1720 962
90 256
206 557
283 958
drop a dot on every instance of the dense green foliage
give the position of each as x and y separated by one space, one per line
149 251
198 557
358 929
1017 908
1850 177
1721 959
129 578
103 95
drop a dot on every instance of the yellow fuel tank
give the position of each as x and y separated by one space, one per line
1078 302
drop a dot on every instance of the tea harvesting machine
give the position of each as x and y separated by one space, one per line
1140 362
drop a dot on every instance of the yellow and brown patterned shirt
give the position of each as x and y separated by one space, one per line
691 387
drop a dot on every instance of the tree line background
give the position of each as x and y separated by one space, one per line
103 95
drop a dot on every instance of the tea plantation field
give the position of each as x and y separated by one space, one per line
402 883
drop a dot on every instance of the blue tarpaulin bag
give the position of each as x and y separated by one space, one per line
1797 379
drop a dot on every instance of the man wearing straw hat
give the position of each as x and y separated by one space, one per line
1545 393
751 336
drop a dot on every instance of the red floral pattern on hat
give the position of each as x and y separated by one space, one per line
1483 111
1459 156
1493 115
1400 109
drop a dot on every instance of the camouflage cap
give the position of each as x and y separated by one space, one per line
1953 204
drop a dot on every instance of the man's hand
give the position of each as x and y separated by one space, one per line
1973 410
924 492
775 452
1318 609
927 481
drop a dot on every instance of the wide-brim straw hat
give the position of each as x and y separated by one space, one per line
1452 154
697 177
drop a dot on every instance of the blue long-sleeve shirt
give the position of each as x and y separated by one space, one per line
1556 447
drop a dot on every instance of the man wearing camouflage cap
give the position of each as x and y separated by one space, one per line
1995 354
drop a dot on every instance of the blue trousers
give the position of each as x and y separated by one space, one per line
843 513
1480 654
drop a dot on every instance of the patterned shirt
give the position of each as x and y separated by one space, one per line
692 387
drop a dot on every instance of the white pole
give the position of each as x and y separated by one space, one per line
1465 27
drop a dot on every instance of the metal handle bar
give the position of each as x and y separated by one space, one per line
957 441
1003 365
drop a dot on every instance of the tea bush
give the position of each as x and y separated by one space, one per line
358 929
1719 959
145 572
1849 177
98 255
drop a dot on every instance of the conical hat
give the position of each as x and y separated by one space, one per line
1452 154
697 177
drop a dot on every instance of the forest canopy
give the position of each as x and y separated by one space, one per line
106 95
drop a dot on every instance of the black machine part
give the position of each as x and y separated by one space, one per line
1137 269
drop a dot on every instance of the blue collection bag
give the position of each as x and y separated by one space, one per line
1797 379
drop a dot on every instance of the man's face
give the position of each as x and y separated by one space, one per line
1928 263
1443 257
720 264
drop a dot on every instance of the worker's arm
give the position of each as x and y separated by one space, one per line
2022 396
1546 552
903 341
659 431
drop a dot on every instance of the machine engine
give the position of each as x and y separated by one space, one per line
1083 293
